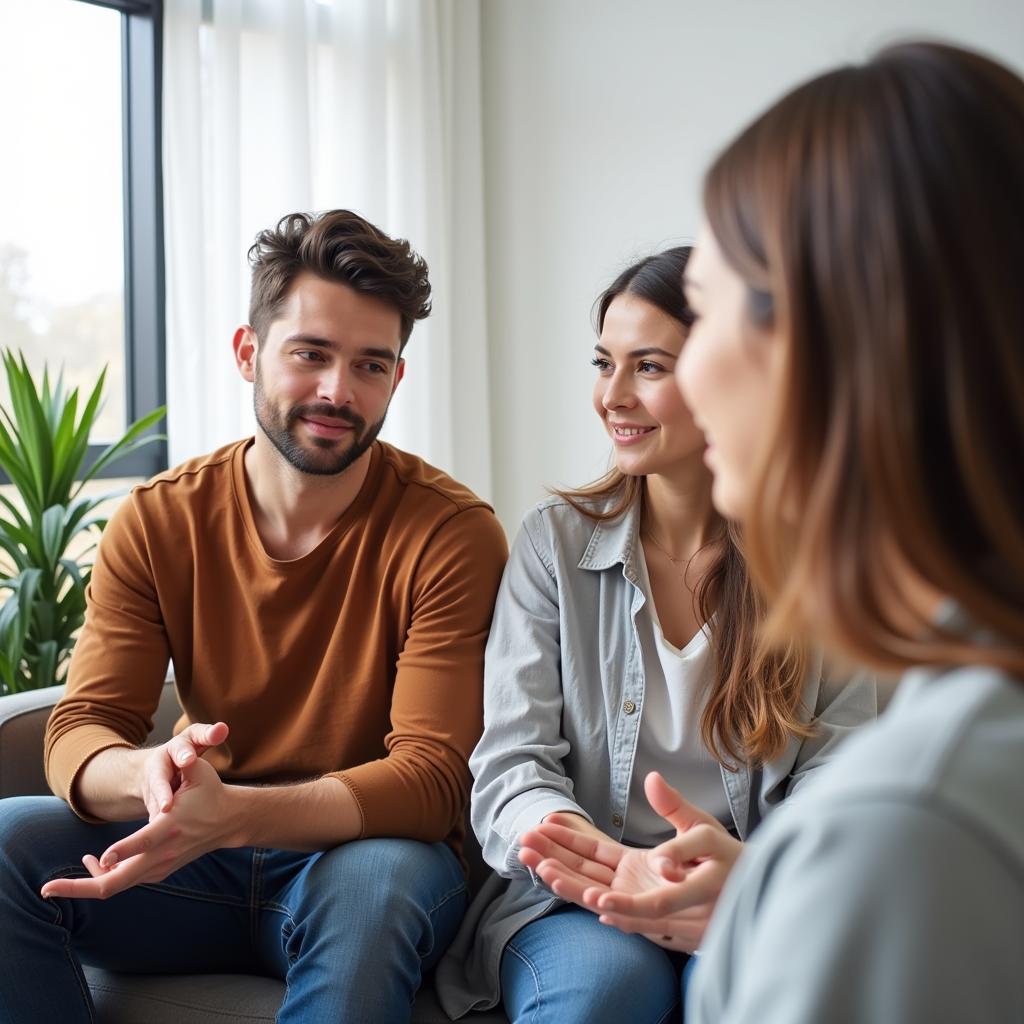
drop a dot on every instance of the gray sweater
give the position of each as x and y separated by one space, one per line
891 890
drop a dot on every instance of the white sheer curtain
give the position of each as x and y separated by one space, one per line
272 106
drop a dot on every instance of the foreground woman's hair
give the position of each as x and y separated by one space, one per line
888 202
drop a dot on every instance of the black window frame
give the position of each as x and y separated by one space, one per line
145 342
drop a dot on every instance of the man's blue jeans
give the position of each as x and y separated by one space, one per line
567 966
350 930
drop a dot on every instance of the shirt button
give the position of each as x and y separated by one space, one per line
617 820
629 707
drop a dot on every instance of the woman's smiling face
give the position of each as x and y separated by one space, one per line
635 392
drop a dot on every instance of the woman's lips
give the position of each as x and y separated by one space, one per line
624 435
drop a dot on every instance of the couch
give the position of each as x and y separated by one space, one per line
156 999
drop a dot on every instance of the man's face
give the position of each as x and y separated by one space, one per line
324 374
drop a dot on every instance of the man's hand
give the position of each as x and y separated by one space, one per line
160 771
199 821
123 784
666 893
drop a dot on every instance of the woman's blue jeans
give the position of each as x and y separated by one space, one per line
349 930
568 967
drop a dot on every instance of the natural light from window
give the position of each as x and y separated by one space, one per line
61 195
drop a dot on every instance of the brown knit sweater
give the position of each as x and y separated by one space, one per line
362 659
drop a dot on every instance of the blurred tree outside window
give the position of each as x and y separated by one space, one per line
61 195
81 250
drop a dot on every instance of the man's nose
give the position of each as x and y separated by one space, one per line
334 386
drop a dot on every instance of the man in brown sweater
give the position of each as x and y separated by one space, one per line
324 599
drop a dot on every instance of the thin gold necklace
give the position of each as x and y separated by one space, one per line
680 564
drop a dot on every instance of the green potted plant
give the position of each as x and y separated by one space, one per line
43 442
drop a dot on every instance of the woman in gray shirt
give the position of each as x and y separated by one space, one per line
858 368
623 643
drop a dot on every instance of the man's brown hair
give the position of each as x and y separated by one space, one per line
340 246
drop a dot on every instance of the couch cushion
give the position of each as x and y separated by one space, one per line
216 999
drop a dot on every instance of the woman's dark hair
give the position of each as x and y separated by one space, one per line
882 209
752 707
338 246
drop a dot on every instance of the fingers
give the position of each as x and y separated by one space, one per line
699 843
142 841
183 750
602 851
691 923
157 793
576 822
565 883
101 884
702 885
539 847
194 741
669 803
564 818
530 858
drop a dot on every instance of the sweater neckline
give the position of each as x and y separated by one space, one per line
355 511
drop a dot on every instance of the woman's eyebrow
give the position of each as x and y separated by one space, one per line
639 353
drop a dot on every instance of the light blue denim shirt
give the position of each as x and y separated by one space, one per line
563 707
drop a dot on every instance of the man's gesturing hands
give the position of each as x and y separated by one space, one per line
188 816
161 767
666 893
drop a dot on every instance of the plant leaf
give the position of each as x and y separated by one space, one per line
52 534
45 668
131 441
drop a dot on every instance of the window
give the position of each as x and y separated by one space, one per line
81 245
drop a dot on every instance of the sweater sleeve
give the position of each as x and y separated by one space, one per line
877 905
119 660
419 790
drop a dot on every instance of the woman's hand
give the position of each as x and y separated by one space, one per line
666 893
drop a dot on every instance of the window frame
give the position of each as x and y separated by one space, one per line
144 297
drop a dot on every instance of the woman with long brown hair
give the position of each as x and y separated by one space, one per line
623 644
858 369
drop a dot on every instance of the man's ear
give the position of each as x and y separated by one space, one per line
246 346
399 374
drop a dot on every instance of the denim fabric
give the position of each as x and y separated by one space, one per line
569 967
350 930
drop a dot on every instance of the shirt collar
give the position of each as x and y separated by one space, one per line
615 542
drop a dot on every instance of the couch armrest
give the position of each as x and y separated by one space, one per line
22 724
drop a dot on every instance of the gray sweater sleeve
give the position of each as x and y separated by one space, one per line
833 915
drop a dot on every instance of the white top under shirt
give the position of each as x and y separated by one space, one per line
669 739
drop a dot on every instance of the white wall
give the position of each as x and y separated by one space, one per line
599 117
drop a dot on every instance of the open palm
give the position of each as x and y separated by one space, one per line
666 893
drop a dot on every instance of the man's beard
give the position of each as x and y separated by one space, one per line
319 460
